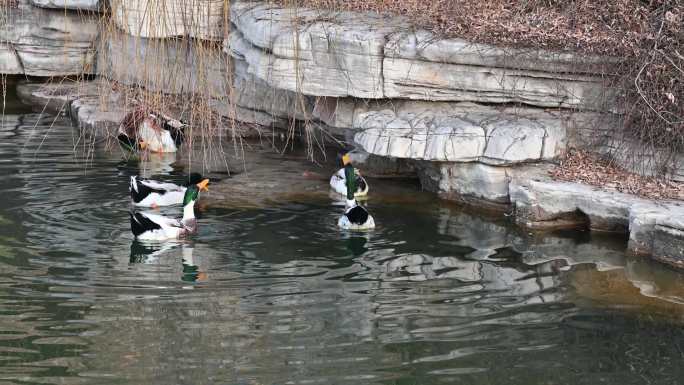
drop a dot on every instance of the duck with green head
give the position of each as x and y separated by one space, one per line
154 227
355 216
338 181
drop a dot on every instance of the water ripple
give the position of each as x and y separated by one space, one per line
279 295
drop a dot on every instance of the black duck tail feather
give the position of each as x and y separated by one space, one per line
357 215
141 224
143 191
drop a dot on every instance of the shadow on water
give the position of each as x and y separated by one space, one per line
272 292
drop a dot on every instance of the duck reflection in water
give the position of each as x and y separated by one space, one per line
156 164
191 272
357 244
148 165
149 253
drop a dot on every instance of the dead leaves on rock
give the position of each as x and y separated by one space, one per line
583 167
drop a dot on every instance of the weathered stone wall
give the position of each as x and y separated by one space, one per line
47 42
170 66
82 5
363 55
201 19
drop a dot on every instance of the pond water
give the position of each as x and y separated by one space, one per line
275 294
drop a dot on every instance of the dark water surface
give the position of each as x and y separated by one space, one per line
278 295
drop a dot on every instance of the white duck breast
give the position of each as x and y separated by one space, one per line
156 139
356 217
338 182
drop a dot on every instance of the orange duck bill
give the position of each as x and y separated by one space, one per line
203 185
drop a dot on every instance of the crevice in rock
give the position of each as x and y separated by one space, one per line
16 55
575 220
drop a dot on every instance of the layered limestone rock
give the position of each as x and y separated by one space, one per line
461 132
92 105
43 42
668 240
169 66
654 228
474 183
365 55
201 19
83 5
9 61
420 65
252 93
324 59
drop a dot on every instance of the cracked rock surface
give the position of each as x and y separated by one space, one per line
46 42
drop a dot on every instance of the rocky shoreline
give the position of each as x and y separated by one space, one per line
475 123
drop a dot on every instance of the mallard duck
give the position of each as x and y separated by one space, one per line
150 193
153 227
338 181
141 130
355 216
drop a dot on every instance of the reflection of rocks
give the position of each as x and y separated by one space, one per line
44 42
631 290
605 254
488 238
655 281
543 203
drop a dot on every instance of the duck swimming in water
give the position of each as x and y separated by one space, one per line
141 130
338 181
150 193
355 216
153 227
